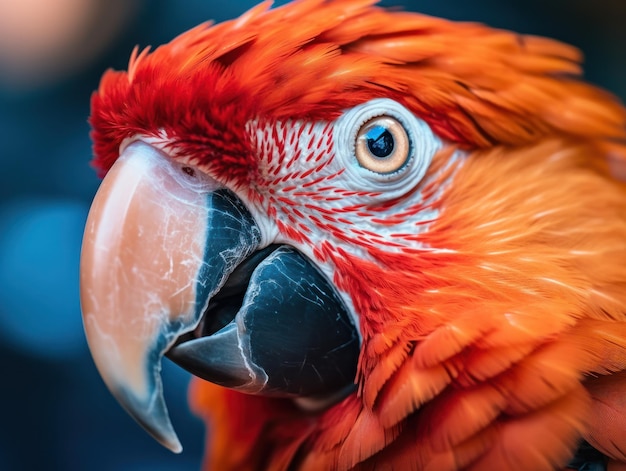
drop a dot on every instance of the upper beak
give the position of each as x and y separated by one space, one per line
159 245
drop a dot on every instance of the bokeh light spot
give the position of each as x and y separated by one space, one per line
40 244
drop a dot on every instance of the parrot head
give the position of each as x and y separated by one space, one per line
352 208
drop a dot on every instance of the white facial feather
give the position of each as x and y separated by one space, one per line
311 182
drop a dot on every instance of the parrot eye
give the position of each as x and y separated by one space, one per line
382 145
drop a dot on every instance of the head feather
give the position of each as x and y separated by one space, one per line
311 59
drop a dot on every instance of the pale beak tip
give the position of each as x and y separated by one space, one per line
170 440
152 415
174 446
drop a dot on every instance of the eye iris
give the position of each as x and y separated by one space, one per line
379 141
382 145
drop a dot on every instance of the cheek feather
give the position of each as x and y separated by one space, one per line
308 193
280 184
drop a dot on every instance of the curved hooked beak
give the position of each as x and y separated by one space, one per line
172 264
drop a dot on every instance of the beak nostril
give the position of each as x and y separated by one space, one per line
189 171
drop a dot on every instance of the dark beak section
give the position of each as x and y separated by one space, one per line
290 334
172 265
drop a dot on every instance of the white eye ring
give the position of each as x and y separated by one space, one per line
394 170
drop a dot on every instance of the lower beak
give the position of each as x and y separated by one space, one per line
172 264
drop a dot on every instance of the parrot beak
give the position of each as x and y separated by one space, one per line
172 264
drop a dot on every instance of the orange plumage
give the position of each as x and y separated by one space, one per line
504 343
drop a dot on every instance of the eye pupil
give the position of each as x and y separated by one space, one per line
379 141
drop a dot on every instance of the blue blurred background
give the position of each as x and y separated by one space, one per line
55 411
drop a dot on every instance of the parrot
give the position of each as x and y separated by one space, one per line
376 239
